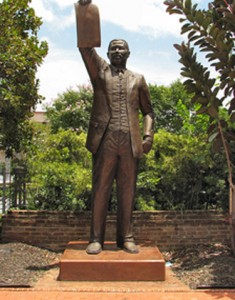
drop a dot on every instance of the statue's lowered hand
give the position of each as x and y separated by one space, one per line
84 2
147 145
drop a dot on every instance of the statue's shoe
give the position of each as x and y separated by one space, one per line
94 248
129 247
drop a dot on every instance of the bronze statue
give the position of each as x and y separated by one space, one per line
114 135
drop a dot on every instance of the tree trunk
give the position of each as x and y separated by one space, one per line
232 217
231 188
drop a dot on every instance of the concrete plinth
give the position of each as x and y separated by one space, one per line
112 264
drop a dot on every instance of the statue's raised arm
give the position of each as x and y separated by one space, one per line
88 24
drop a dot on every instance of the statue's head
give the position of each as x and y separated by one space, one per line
118 53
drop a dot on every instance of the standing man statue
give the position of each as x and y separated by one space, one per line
114 136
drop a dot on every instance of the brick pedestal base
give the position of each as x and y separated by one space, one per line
111 264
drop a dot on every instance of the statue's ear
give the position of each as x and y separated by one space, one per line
127 54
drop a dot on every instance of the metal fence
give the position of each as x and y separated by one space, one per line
5 188
19 187
12 187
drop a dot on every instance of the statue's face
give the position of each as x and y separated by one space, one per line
118 53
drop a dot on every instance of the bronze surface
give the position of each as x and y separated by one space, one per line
88 25
111 265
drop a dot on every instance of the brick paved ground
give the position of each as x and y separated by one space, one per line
49 288
74 295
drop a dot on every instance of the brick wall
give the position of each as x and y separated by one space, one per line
168 229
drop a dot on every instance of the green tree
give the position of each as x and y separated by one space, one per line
164 100
59 167
58 163
180 173
211 32
192 123
20 55
71 110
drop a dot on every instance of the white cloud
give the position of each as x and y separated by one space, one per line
42 10
145 16
148 16
48 11
61 69
63 3
65 21
162 69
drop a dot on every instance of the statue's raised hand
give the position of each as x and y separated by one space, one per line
84 2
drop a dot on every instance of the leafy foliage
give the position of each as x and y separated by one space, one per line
58 162
164 100
212 31
20 55
71 110
60 171
180 173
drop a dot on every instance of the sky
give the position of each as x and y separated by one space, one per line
149 30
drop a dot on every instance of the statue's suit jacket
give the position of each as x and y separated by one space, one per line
138 99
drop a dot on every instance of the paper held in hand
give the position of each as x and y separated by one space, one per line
88 25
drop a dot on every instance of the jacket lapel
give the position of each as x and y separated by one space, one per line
130 84
108 85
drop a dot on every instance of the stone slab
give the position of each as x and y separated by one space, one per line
112 264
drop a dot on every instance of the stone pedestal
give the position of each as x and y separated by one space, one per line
112 264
